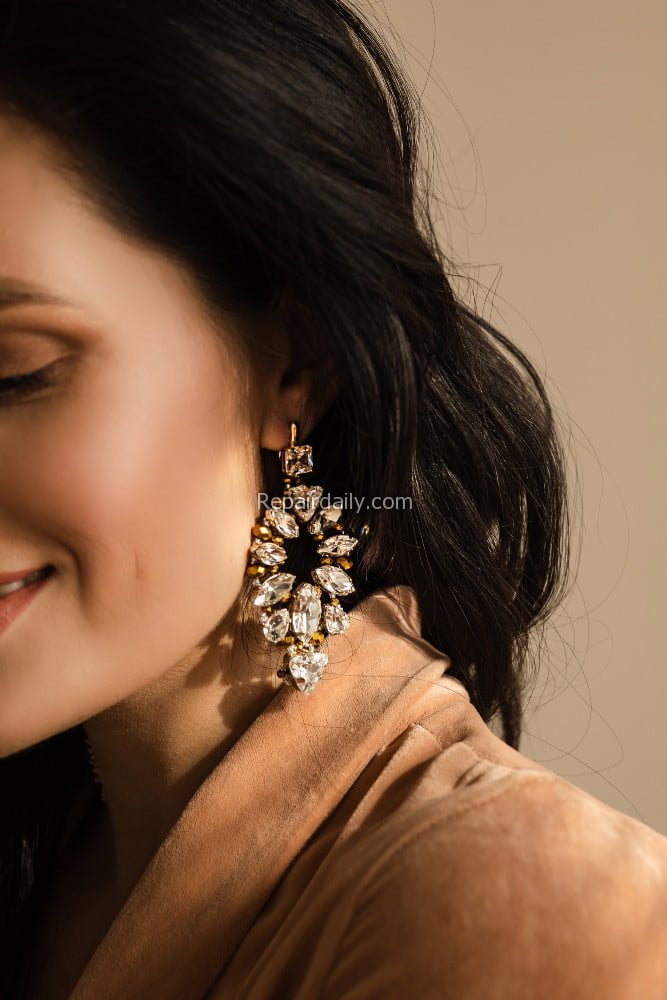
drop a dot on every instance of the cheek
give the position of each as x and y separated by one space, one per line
145 507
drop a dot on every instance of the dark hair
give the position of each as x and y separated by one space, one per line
272 149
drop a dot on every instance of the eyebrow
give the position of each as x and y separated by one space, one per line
15 292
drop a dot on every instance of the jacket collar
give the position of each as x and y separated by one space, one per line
256 810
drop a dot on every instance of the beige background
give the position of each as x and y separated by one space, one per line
550 120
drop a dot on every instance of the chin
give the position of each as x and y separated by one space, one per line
15 738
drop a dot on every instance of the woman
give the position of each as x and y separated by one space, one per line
236 771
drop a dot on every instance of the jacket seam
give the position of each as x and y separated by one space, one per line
487 758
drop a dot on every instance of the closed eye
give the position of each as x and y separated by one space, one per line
20 386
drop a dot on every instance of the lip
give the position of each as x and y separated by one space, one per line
13 604
19 575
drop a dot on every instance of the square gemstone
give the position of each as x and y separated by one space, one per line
297 460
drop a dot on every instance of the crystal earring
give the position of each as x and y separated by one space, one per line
300 617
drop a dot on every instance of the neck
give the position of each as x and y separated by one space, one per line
154 749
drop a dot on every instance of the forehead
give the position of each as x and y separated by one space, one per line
34 196
53 241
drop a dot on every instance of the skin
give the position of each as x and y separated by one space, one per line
136 476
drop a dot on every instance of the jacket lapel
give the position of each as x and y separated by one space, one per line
258 808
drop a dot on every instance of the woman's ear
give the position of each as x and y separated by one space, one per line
293 389
286 401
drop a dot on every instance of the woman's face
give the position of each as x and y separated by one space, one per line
132 473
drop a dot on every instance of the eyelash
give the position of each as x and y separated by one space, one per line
19 386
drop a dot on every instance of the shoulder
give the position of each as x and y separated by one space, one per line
515 886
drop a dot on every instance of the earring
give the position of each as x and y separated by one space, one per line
299 617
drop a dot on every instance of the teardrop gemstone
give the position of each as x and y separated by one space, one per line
305 668
276 624
331 514
305 500
335 619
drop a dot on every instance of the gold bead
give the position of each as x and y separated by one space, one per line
325 561
334 600
318 538
261 531
287 640
317 637
255 571
344 563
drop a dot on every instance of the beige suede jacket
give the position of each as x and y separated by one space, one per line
375 839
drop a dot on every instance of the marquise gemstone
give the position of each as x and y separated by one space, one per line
306 608
337 545
284 523
269 553
273 589
333 579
